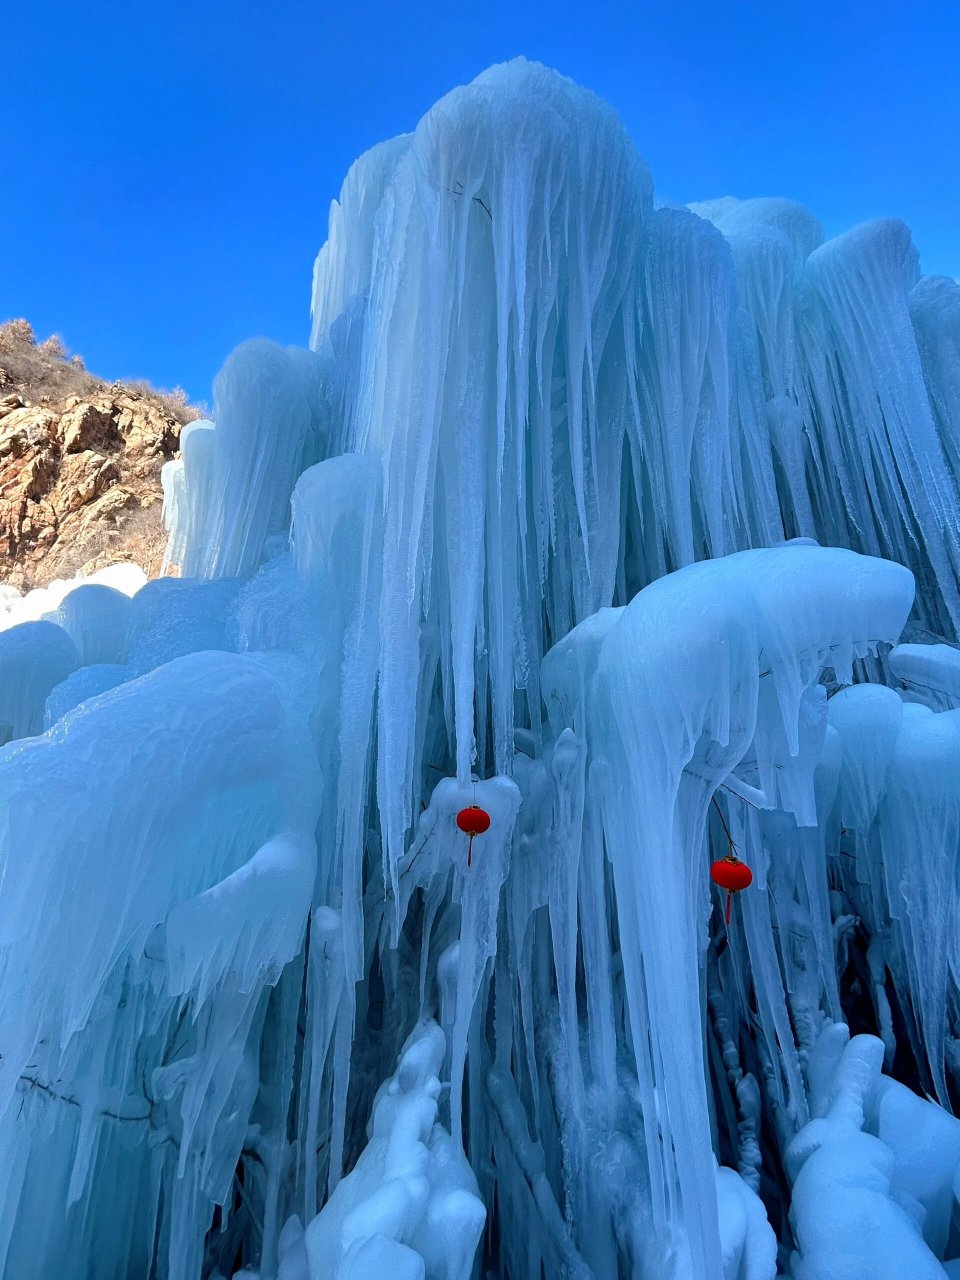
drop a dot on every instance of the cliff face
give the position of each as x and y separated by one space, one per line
80 464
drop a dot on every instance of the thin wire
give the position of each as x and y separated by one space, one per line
723 823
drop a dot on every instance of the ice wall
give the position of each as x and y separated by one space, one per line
533 525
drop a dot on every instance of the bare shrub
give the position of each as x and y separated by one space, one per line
52 347
175 402
180 401
16 333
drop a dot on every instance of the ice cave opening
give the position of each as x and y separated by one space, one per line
637 527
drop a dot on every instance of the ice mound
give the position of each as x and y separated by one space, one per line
410 1205
873 1170
41 601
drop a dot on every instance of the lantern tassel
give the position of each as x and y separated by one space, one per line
729 906
470 852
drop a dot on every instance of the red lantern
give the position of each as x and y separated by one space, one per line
732 875
473 821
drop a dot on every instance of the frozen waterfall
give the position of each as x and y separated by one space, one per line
635 526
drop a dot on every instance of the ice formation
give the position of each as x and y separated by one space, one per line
44 601
636 526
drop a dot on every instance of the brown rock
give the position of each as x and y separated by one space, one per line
89 426
75 468
39 475
84 476
80 475
110 506
26 429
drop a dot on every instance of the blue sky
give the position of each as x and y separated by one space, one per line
168 167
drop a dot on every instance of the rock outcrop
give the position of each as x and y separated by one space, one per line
79 473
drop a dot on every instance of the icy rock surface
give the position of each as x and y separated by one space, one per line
411 1201
604 517
873 1170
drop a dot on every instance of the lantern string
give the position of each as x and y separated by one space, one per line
726 829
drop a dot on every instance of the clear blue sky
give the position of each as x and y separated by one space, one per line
168 167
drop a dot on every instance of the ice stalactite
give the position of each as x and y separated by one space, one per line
662 742
892 462
135 988
533 527
901 823
185 499
229 493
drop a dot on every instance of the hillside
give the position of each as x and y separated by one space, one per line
80 463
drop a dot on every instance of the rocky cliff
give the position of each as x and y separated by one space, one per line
80 464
